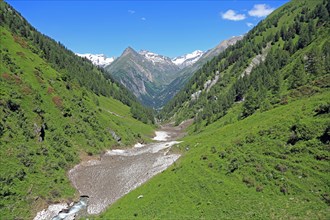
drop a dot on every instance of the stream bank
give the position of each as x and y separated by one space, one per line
118 172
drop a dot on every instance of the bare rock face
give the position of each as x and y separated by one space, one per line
143 73
154 79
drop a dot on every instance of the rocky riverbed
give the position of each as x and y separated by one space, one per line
119 171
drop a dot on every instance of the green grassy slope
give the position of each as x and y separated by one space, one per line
259 147
295 35
272 165
47 124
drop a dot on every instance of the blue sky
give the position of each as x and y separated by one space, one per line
170 28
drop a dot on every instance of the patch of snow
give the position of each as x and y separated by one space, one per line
51 212
161 136
139 145
98 59
116 152
188 59
155 58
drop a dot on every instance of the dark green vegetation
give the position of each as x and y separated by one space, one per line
73 69
55 108
271 165
259 147
295 45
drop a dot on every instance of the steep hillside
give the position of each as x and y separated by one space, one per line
275 58
55 110
186 73
71 67
259 147
245 169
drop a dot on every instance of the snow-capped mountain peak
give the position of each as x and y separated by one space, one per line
188 59
98 59
154 58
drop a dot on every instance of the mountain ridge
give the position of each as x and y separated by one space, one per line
181 61
154 79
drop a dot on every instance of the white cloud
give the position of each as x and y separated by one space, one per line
233 16
249 24
143 19
261 10
131 11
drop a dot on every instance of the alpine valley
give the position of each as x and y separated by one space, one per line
241 131
155 79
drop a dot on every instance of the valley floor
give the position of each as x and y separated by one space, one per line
244 169
118 171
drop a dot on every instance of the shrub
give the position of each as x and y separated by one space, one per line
57 101
234 164
13 106
284 190
325 137
250 138
222 154
259 188
26 90
249 181
203 157
213 150
324 108
280 167
2 129
50 90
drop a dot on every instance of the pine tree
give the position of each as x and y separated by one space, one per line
251 103
326 56
314 62
298 76
288 46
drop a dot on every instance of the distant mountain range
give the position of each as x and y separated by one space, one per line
181 61
153 78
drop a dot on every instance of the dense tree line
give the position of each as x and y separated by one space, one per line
263 87
73 69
